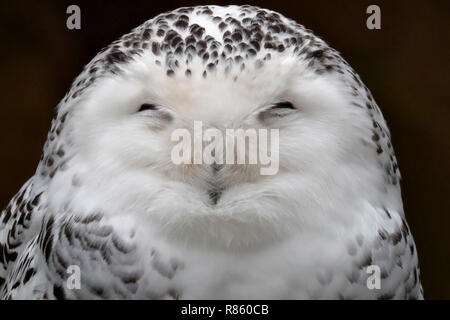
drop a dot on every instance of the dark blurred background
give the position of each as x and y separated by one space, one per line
405 65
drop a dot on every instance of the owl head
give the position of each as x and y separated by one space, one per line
235 67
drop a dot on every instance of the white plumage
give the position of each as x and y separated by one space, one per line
106 196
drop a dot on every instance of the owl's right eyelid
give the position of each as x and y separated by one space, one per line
283 105
147 106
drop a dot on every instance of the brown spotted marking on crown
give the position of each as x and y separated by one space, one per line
249 35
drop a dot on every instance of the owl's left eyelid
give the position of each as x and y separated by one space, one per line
147 106
283 105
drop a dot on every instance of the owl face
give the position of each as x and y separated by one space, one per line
121 127
128 122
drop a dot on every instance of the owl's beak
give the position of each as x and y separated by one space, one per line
214 196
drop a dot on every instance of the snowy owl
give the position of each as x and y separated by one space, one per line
108 214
